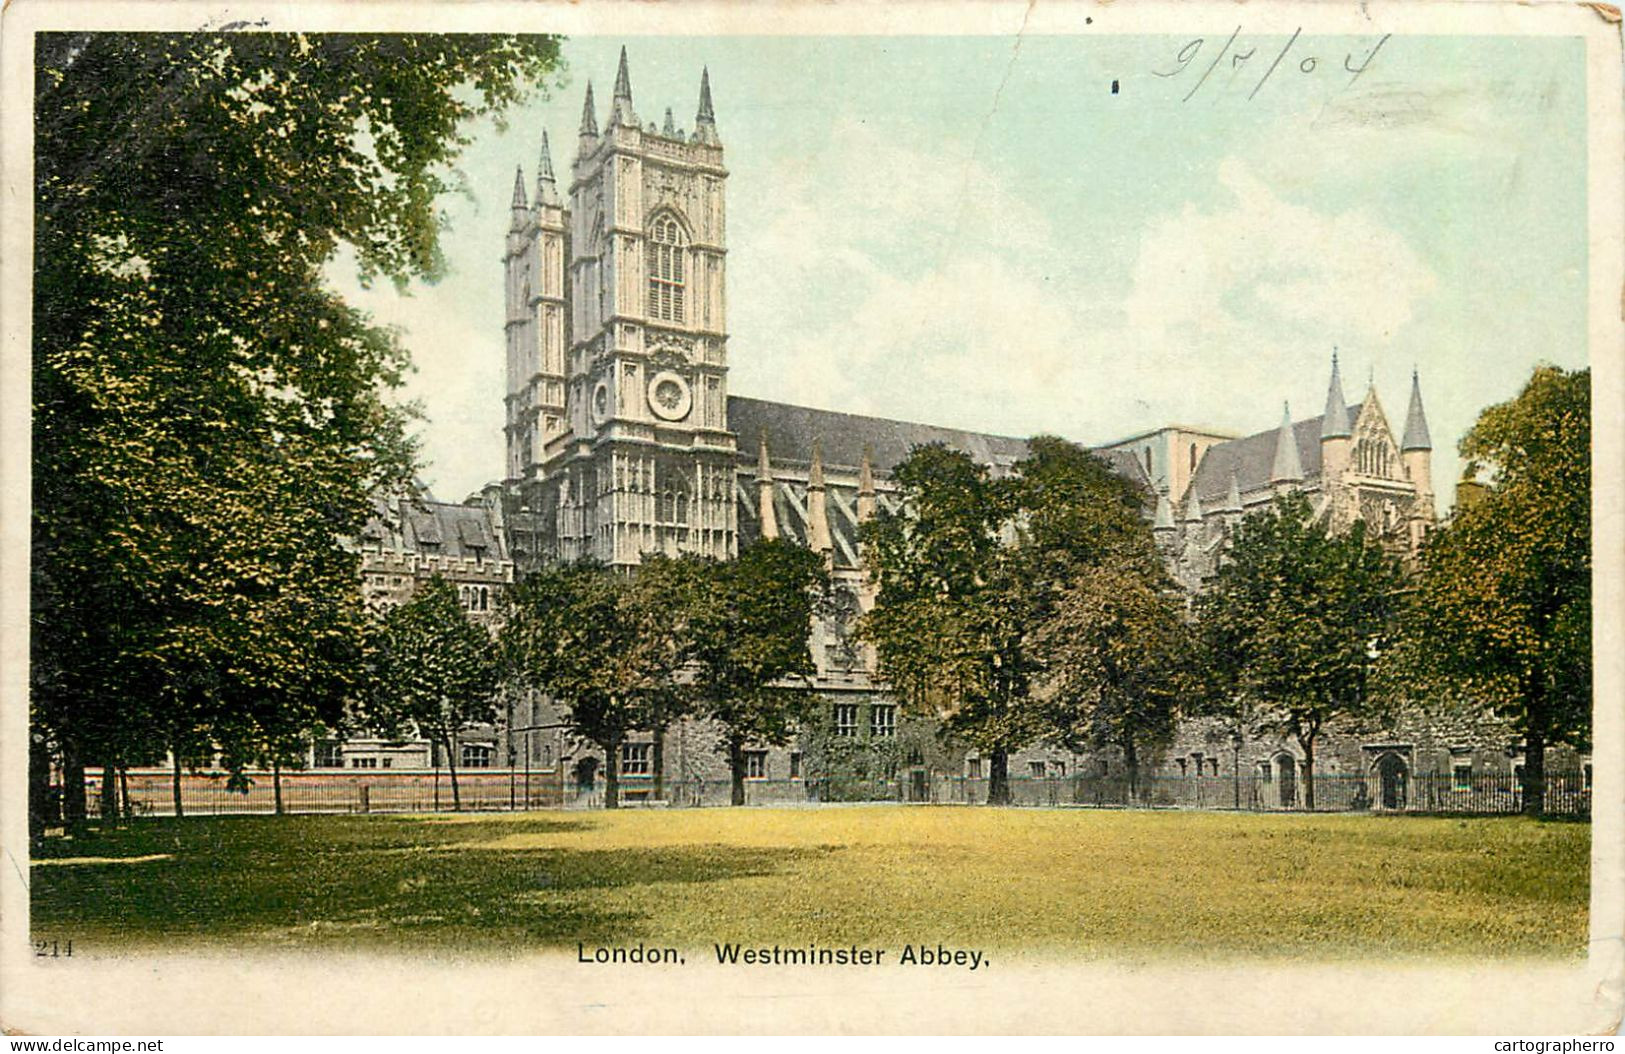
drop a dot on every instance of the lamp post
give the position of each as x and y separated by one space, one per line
1235 759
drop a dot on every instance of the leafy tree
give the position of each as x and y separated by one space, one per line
949 619
604 644
1294 620
749 657
436 672
1116 660
971 571
1073 512
1502 607
209 418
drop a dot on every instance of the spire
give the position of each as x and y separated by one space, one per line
815 472
547 191
1193 507
705 121
1416 421
521 207
668 129
866 485
621 111
1165 515
1232 497
589 115
1288 467
765 510
1335 425
818 537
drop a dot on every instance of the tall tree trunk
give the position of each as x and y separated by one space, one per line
128 810
1132 758
109 804
736 771
612 773
1536 727
44 810
175 779
658 760
451 768
1308 744
73 787
998 777
276 783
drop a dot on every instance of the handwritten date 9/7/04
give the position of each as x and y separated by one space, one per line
1301 59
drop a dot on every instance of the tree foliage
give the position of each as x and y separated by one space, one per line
1116 651
209 417
435 672
1294 621
749 620
972 568
1501 614
605 645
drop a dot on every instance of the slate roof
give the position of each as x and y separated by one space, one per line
1252 457
434 527
791 431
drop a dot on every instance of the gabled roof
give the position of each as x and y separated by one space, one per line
434 527
1252 458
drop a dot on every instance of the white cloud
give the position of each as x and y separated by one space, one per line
981 334
1266 269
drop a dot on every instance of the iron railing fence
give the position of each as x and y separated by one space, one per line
150 793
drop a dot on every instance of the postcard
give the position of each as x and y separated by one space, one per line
813 518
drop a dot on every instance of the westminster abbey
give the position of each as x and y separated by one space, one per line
623 438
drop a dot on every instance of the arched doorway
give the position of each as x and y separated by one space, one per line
1286 778
586 775
1392 775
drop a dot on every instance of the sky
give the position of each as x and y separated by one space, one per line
978 232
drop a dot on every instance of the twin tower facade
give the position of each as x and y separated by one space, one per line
617 345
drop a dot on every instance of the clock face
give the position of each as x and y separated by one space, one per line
669 396
600 403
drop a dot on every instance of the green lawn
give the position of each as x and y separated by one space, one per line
1089 883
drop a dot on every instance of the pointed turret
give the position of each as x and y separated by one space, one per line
589 116
1163 525
547 190
1193 507
1232 497
1416 420
521 207
818 539
621 111
764 492
1287 466
1416 451
705 121
1336 431
815 471
1335 425
669 128
866 486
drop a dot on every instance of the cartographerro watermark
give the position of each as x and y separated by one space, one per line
1552 1046
729 954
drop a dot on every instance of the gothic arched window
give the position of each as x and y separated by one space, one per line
667 246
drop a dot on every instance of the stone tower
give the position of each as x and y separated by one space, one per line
634 453
537 321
